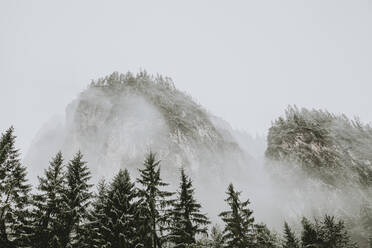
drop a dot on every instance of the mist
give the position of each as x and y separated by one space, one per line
121 118
236 67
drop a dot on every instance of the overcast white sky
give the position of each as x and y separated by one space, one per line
243 60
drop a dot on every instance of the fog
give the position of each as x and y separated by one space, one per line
243 61
116 126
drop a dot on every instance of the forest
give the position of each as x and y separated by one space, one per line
64 210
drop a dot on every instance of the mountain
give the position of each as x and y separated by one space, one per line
121 117
327 146
312 163
335 154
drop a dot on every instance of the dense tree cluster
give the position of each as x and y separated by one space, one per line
127 213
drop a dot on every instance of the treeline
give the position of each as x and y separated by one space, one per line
129 213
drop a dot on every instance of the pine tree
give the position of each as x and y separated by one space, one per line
76 201
309 237
187 220
216 237
120 231
263 237
154 203
239 223
14 194
290 240
47 203
327 233
366 216
333 233
97 219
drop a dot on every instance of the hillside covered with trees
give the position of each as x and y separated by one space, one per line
335 152
333 147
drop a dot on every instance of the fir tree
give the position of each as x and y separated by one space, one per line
97 219
309 237
366 214
120 231
290 240
187 220
333 233
14 194
76 200
239 223
154 203
47 209
263 237
216 237
327 233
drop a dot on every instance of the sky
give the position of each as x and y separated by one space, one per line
244 61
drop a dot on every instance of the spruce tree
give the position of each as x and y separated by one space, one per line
187 220
309 237
14 194
154 203
120 231
333 234
263 237
76 201
366 216
216 237
290 240
97 219
327 233
47 205
239 223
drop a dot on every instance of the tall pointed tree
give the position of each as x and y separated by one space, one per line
154 202
309 237
47 210
239 223
216 237
76 200
14 194
187 219
121 212
333 233
97 220
290 240
366 213
263 237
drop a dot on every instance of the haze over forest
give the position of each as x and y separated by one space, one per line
271 96
312 163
